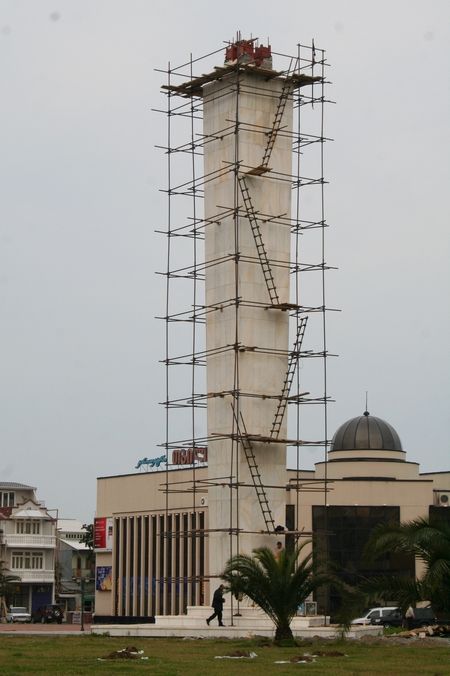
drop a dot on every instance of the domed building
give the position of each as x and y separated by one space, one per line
366 480
366 433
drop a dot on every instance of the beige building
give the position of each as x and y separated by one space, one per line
155 560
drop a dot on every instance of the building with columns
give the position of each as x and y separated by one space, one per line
158 561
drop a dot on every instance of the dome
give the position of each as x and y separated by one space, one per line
366 432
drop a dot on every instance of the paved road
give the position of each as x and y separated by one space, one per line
51 628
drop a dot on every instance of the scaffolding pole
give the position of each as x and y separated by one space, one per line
303 78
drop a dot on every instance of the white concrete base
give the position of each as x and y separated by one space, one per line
251 622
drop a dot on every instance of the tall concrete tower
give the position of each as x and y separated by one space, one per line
247 337
255 321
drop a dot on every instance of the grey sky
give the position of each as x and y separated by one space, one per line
79 179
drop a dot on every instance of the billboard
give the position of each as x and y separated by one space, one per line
103 534
103 578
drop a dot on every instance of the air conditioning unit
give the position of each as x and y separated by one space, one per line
203 502
442 498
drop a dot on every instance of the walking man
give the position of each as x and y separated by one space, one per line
217 604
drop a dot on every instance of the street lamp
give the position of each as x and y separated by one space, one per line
81 581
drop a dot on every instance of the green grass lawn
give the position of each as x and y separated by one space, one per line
79 655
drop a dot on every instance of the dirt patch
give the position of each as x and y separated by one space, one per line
128 653
240 653
370 640
426 642
237 655
328 653
302 658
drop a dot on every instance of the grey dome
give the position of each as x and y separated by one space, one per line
366 432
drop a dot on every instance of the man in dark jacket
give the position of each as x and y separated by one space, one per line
217 604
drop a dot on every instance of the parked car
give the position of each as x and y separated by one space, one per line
391 618
18 614
423 617
379 615
49 613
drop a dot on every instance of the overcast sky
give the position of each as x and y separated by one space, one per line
79 177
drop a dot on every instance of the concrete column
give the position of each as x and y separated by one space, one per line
135 570
158 572
189 544
120 580
251 101
128 608
142 565
183 545
151 569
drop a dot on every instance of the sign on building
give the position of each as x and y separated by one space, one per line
103 534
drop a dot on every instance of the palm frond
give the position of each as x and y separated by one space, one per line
429 541
387 588
277 584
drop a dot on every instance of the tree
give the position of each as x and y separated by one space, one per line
88 535
429 541
278 585
7 581
88 540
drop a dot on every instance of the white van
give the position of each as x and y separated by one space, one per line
378 615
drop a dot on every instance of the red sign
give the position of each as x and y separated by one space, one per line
187 456
100 533
103 533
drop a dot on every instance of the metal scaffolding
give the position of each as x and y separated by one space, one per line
304 78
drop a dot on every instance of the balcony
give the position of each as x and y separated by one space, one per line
27 541
82 572
36 576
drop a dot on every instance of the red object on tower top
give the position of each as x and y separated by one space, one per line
245 51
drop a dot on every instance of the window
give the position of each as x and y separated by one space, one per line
28 527
27 560
17 560
71 536
340 534
6 499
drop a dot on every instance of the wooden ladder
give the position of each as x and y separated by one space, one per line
288 379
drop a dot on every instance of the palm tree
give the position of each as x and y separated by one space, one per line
6 582
278 585
427 540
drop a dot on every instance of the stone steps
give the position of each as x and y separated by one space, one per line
249 617
247 623
157 631
252 622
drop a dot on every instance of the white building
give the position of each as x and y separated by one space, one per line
27 545
75 561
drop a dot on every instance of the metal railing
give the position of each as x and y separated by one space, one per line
36 576
18 540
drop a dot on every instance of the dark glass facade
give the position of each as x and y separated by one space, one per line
340 535
439 514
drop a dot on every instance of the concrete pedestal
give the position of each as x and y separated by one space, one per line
253 622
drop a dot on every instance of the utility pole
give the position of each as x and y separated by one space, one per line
81 581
